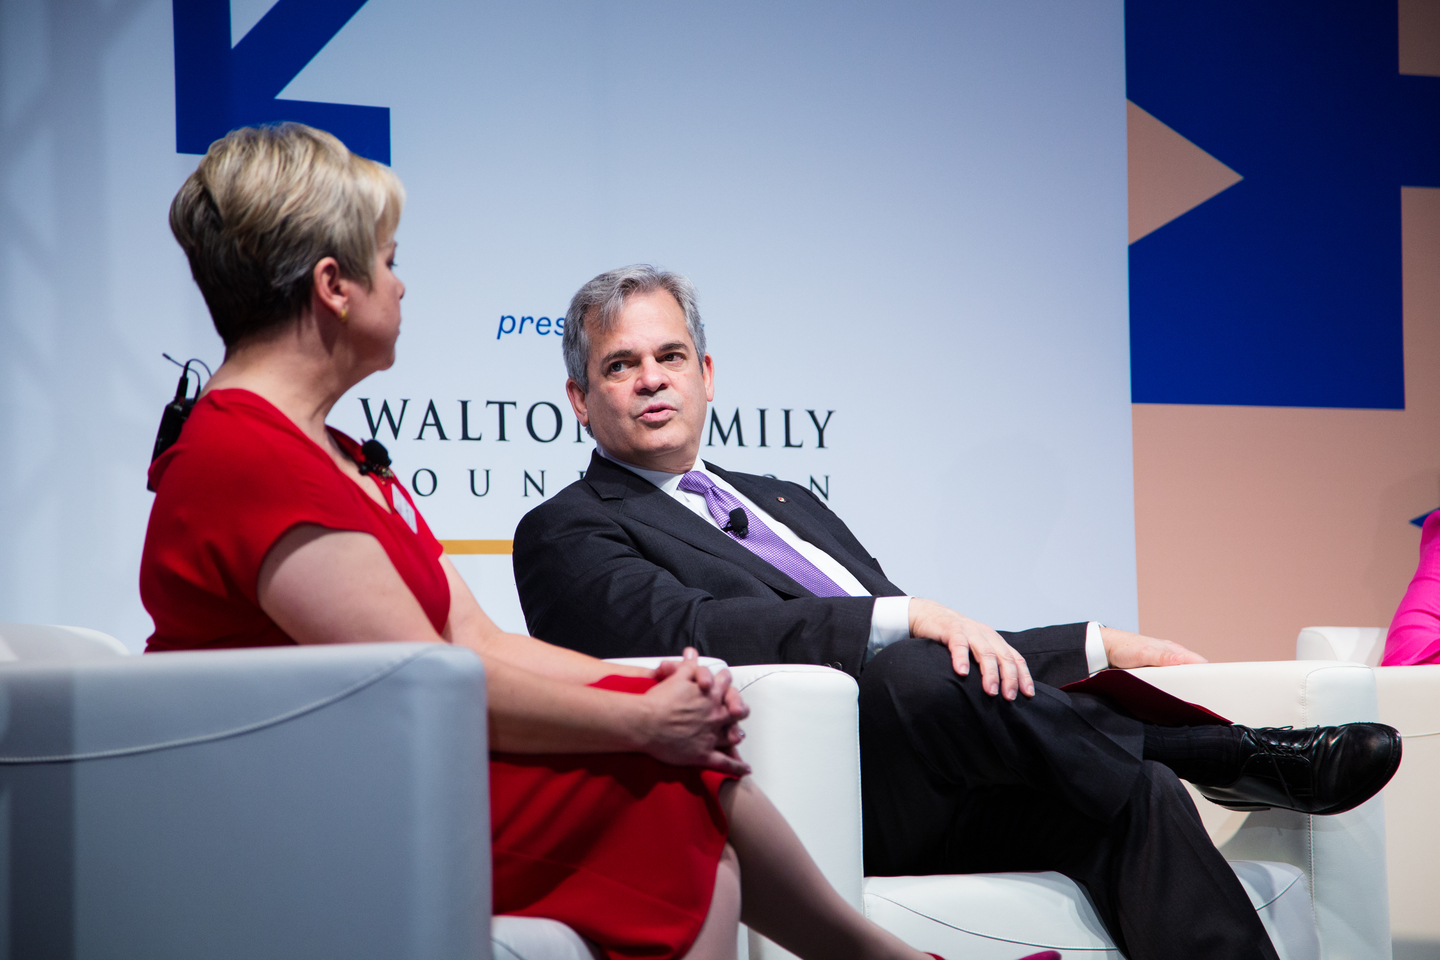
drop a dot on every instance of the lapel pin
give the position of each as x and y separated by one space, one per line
781 499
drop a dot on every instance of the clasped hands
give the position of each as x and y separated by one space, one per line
1002 668
695 716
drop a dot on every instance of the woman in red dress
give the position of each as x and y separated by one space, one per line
618 801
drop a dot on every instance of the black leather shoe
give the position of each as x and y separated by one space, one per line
1316 770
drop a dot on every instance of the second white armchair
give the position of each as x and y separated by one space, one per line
1317 883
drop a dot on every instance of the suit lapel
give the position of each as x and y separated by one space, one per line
807 527
647 503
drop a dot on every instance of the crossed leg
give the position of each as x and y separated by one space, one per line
957 781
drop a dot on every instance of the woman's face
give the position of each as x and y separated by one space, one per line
375 313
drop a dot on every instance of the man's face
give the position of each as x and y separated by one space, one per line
648 390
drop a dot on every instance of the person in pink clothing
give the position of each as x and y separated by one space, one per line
1414 635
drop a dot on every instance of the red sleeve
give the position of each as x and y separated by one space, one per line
622 683
238 479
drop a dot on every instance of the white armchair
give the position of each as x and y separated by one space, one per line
1409 700
279 803
1317 883
1342 856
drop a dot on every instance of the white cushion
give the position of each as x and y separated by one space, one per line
989 916
535 938
1001 916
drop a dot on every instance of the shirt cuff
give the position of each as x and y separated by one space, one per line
1095 659
889 621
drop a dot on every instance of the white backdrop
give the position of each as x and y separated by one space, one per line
909 214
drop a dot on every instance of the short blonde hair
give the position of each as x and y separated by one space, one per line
268 203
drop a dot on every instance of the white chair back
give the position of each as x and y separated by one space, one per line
278 803
1351 644
35 641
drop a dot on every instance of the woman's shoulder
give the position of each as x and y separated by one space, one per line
235 415
240 475
238 449
235 432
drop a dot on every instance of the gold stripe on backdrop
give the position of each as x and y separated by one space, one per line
479 546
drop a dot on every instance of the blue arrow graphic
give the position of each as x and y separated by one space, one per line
219 88
1285 290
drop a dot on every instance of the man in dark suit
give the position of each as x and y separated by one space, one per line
963 771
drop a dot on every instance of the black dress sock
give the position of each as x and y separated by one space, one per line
1208 756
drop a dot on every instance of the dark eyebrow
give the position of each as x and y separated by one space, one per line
614 355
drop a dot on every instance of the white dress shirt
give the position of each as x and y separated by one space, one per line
890 619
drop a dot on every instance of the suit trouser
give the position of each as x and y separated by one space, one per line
957 781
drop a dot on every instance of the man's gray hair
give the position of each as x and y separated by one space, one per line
604 297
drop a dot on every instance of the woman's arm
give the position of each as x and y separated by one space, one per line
469 626
330 586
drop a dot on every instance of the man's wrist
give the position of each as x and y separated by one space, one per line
889 622
1095 657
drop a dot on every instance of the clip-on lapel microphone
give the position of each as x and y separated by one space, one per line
739 524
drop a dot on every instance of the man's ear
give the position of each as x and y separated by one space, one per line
707 370
577 402
327 288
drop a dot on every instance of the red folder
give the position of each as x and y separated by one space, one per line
1145 702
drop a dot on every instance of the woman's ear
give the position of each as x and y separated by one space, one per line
327 291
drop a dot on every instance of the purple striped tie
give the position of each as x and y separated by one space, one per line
761 540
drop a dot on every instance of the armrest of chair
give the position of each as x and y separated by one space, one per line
650 663
802 741
1343 856
803 745
248 803
1410 702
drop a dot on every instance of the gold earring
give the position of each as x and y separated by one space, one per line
344 314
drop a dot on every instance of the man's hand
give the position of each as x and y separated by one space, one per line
1002 669
1126 649
696 717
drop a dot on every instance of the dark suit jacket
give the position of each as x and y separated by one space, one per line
613 566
